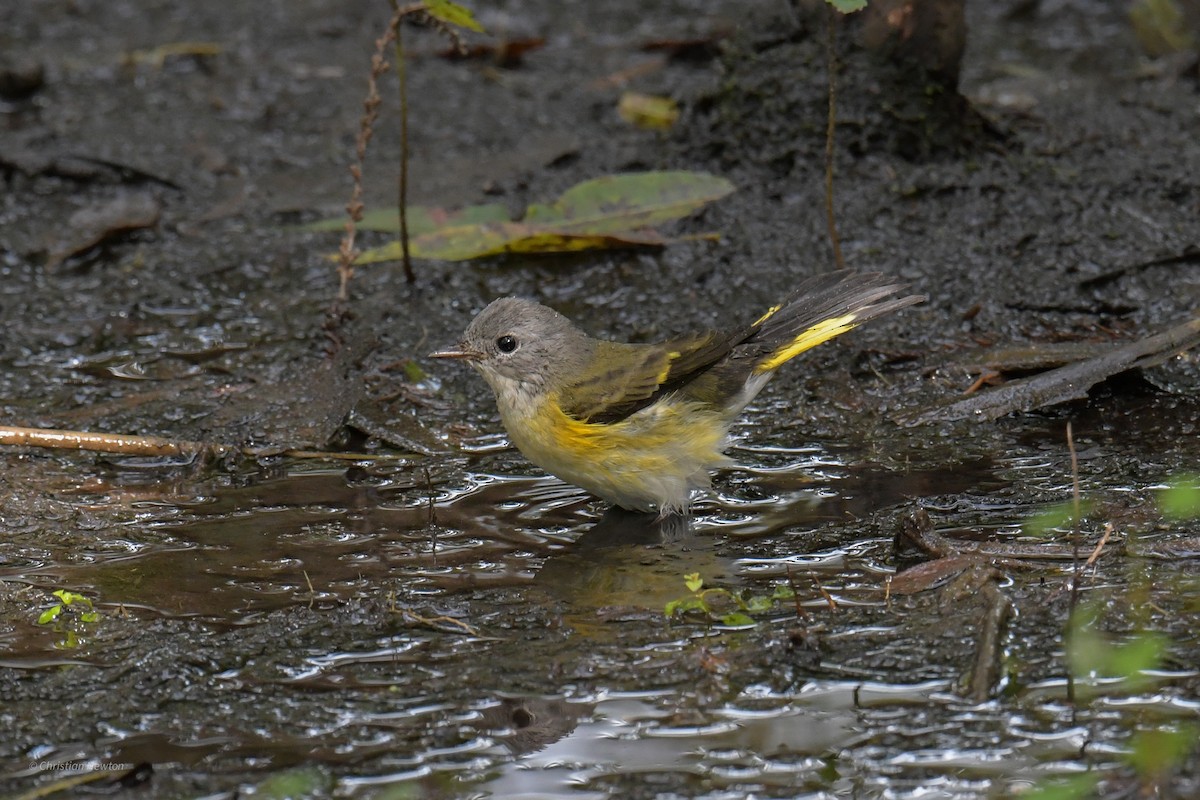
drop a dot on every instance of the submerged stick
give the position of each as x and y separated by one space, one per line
987 668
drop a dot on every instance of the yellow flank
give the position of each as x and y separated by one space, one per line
770 313
807 339
650 460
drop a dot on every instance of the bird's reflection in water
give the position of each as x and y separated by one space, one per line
528 724
627 564
621 528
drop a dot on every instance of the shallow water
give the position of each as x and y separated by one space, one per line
484 631
459 625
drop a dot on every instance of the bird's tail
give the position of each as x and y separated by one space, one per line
821 308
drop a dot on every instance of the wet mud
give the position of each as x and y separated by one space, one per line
437 618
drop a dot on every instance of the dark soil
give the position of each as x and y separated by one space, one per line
425 625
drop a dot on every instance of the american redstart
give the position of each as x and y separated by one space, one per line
641 425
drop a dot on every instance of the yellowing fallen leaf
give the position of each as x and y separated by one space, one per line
610 212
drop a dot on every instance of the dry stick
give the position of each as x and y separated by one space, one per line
104 442
147 445
1108 531
831 51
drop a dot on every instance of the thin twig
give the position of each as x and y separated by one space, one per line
800 612
1074 597
347 253
831 219
1108 531
828 597
402 183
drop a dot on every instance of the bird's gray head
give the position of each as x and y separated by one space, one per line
515 341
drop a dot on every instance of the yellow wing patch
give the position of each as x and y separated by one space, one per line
666 370
807 339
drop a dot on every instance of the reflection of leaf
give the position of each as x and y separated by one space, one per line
453 14
737 620
1076 787
1157 750
613 211
683 606
1055 518
1181 500
848 6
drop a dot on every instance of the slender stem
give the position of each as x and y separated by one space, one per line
1073 602
831 53
402 80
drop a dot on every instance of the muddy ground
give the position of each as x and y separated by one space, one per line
449 622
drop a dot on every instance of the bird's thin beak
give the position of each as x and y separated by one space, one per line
458 352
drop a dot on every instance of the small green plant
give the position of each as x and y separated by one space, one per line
720 605
72 608
66 601
1101 664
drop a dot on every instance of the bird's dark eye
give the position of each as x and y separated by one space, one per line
506 344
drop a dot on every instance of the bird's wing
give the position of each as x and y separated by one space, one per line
629 377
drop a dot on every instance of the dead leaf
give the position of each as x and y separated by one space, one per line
609 212
929 574
93 225
648 111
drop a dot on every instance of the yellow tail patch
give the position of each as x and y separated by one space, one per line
770 313
807 339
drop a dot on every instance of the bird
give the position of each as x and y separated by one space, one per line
643 425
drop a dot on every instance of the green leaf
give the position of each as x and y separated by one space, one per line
452 14
49 614
847 6
89 616
737 619
783 592
1181 499
613 211
413 372
693 581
